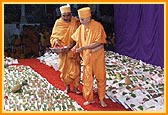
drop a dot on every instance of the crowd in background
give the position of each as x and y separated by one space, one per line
34 40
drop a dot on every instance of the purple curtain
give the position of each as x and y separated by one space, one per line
139 30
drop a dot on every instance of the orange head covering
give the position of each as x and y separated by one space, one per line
84 12
65 8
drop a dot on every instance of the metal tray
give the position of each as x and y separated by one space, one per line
59 49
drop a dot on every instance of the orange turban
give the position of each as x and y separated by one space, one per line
65 9
84 12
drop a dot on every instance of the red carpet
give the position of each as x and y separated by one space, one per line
53 77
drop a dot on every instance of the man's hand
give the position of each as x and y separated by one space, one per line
56 44
79 49
74 48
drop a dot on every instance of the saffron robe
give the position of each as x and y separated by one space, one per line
94 63
69 63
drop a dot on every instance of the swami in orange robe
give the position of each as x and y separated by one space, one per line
27 42
69 62
90 38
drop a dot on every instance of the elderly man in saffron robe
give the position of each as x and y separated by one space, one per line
69 63
90 38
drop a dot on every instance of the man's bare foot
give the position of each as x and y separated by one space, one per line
77 91
102 103
67 90
88 102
